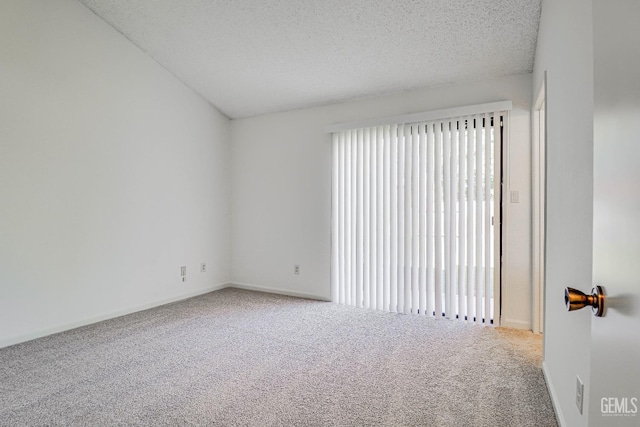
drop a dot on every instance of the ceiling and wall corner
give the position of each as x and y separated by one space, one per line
251 57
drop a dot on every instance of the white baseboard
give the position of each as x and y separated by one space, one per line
554 397
515 324
280 291
84 322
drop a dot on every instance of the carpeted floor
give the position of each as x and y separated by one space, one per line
235 357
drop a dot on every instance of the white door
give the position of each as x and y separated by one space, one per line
614 397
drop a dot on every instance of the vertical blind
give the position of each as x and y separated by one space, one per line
413 209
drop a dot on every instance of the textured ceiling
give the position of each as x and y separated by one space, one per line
250 57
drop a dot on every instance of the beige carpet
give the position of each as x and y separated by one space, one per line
243 358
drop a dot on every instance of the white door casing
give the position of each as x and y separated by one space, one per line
538 180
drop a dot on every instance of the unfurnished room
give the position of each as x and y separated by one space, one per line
319 213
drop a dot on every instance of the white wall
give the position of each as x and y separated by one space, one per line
565 51
281 189
113 174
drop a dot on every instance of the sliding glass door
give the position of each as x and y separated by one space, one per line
416 217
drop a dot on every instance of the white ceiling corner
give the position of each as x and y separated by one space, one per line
251 57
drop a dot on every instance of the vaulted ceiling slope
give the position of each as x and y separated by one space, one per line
251 57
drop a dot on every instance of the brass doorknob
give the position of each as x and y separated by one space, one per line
575 300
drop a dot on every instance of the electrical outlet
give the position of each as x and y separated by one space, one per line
203 267
183 273
579 393
296 270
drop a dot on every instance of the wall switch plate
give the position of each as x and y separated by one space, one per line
296 270
579 393
203 267
515 196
